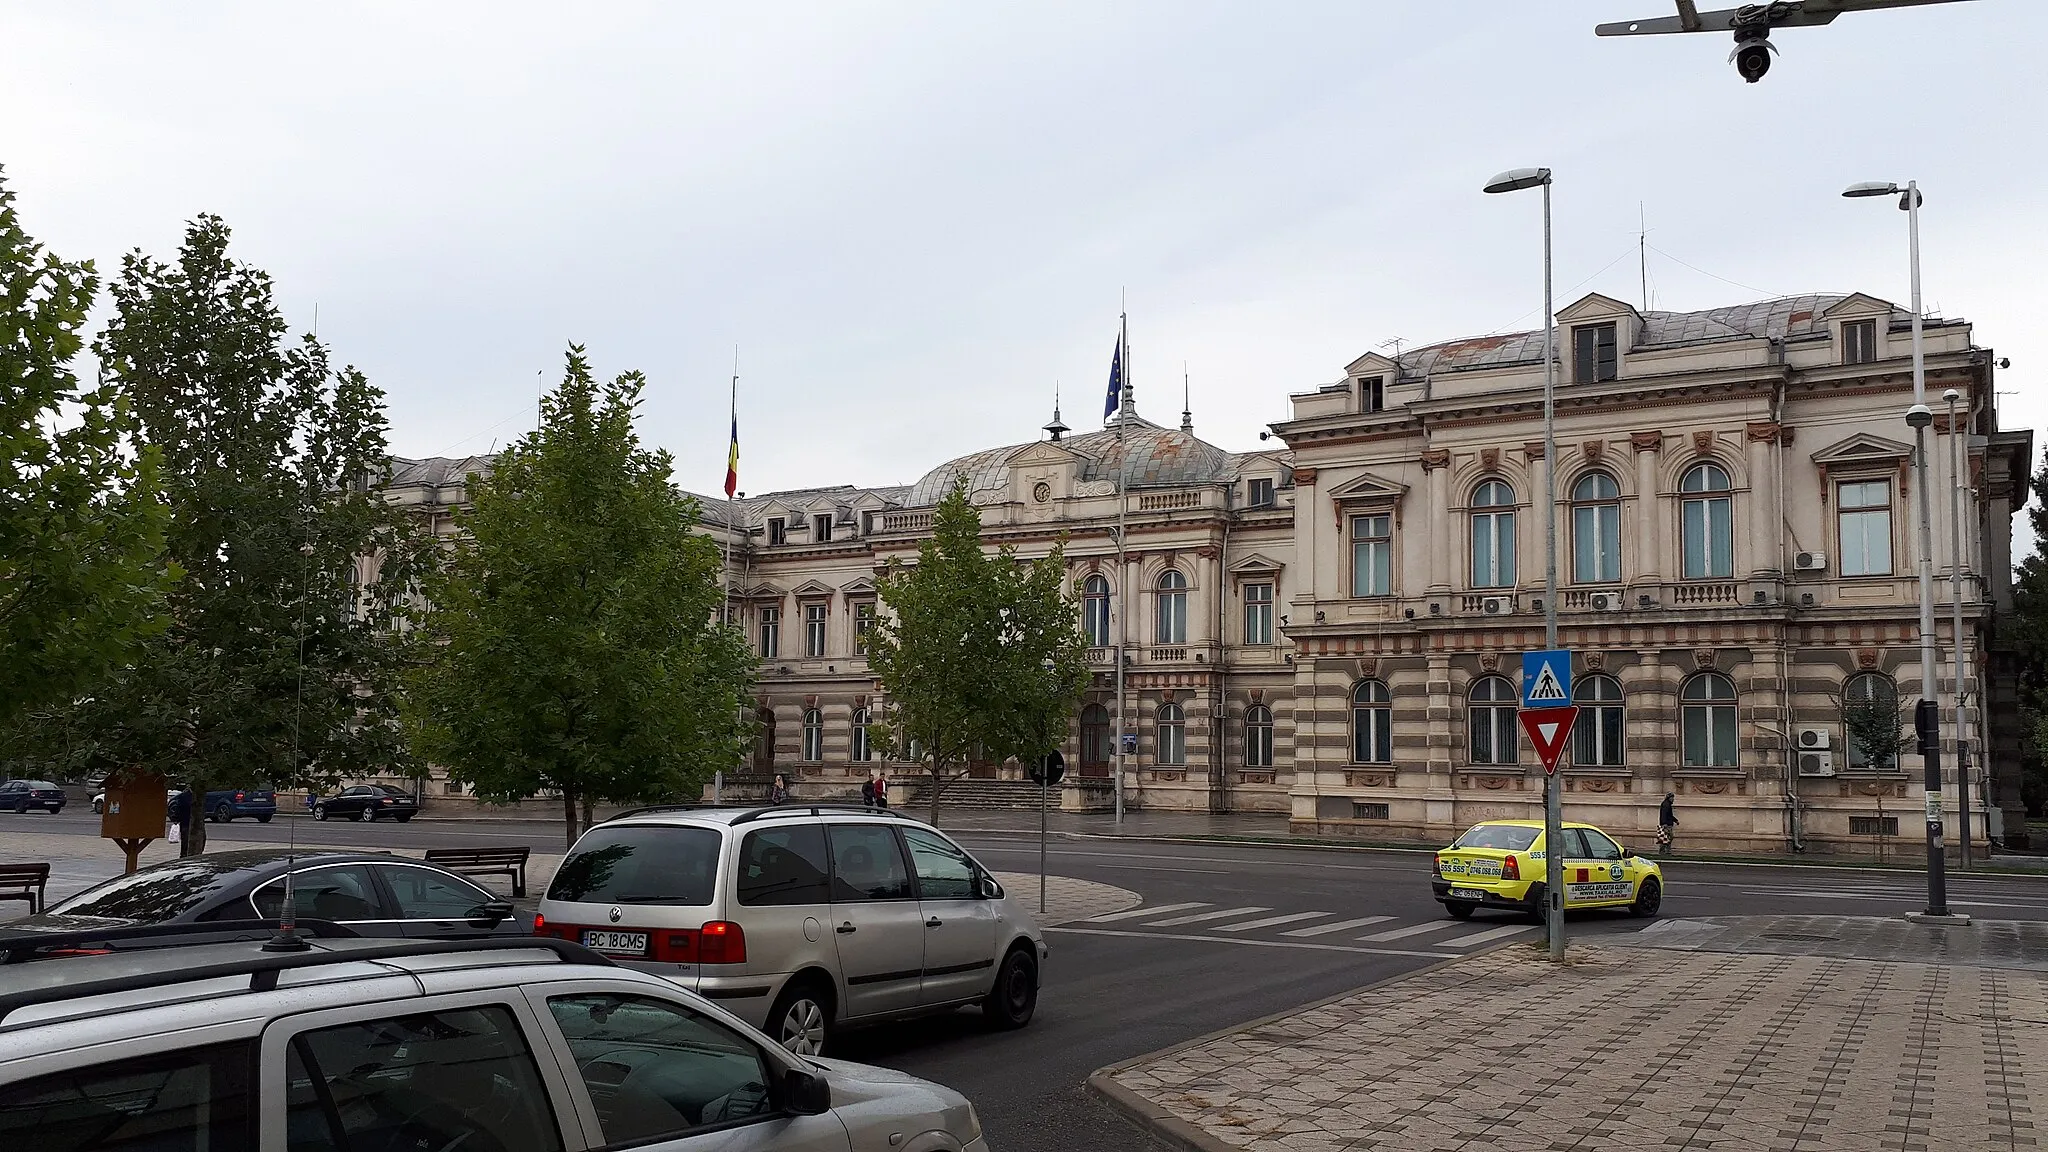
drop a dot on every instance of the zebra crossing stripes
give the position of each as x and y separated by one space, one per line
1339 926
1201 917
1406 931
1272 921
1481 937
1309 929
1156 910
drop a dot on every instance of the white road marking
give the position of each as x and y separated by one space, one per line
1339 926
1410 930
1198 917
1245 942
1136 912
1482 937
1268 922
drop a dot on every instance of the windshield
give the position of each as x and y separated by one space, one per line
1507 837
154 895
640 865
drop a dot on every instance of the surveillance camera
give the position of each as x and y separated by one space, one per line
1919 416
1752 55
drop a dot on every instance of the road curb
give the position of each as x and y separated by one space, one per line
1186 1137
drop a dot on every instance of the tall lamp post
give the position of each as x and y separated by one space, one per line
1515 180
1955 595
1927 713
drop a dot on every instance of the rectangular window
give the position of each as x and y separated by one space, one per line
1260 492
1372 394
688 1073
1863 514
198 1098
814 629
1873 825
821 528
1360 810
1372 555
1258 613
867 864
778 530
1709 539
1593 354
771 633
1859 341
863 623
1596 543
1493 550
785 866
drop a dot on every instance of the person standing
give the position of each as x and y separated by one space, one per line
881 790
778 791
1667 823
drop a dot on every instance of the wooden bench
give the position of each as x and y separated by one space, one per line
483 862
27 882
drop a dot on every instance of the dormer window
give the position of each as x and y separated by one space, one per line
1260 492
1372 394
1594 354
1859 341
778 530
821 528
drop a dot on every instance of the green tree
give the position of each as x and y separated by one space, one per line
1874 726
278 663
978 654
579 650
2027 631
82 574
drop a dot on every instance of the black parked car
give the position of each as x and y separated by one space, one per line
367 802
23 795
371 894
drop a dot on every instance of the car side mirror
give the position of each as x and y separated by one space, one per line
806 1093
494 911
990 890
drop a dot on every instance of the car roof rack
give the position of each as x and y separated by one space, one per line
26 946
816 810
647 808
262 967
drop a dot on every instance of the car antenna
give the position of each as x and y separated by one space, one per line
288 938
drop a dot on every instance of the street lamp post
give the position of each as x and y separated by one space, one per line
1927 713
1515 180
1955 595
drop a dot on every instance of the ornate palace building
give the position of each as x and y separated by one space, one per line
1331 632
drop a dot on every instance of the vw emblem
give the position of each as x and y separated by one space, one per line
616 914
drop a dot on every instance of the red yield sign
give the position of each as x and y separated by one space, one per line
1549 729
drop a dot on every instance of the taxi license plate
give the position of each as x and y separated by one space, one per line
1467 894
617 943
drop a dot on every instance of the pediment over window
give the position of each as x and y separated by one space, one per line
1256 565
1041 452
764 591
1862 448
1372 364
1857 304
1594 306
1368 487
812 589
860 587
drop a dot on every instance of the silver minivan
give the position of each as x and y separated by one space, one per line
800 919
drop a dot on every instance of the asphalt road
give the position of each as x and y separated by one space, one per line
1226 934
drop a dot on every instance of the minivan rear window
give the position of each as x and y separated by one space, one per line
1507 837
640 864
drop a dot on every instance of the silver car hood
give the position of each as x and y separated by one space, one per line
878 1103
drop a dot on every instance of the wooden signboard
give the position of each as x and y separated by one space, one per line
136 812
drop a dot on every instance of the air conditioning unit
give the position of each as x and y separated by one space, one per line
1816 763
1605 601
1810 561
1815 740
1497 605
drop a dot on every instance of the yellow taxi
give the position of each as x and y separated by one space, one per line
1501 864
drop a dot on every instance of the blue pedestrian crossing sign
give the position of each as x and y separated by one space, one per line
1547 679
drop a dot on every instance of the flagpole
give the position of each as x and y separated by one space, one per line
735 426
1123 413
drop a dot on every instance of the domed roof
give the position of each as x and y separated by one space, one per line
1158 458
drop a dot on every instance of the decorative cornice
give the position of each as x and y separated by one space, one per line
1646 441
1434 458
1305 477
1533 450
1763 432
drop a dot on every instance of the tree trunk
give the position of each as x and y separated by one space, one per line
194 839
569 811
589 813
938 778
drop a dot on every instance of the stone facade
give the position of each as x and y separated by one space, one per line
1331 630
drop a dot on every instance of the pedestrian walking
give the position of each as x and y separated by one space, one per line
867 793
881 790
1667 821
778 791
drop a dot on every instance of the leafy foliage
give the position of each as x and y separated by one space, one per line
2028 632
979 655
579 648
81 524
276 663
1874 726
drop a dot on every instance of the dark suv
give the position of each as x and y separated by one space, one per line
23 795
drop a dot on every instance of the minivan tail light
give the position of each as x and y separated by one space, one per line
238 797
721 942
1510 869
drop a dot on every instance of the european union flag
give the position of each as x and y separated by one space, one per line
1116 381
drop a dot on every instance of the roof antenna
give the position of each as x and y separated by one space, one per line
1058 427
288 938
1643 252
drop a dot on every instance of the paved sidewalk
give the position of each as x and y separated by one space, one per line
1635 1047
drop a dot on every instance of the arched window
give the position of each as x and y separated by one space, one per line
764 740
1372 724
1596 529
1490 721
1095 744
1706 706
814 735
862 750
1095 611
1870 722
1173 607
1597 733
1258 736
1493 535
1708 523
1173 735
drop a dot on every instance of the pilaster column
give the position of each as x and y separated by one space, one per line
1436 463
1651 556
1766 540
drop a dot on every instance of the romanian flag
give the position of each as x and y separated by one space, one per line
732 460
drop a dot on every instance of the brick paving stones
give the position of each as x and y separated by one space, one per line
1633 1047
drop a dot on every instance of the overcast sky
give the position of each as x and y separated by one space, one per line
913 219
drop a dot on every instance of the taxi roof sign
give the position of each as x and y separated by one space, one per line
1547 679
1549 729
